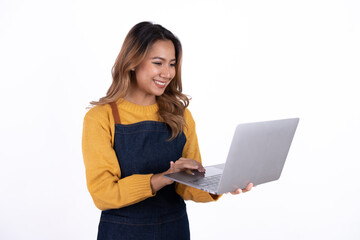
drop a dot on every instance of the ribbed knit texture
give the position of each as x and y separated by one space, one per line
102 168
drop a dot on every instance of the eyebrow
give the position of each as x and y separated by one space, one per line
163 59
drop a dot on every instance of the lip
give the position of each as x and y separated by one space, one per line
160 84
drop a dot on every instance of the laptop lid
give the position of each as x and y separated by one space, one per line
257 153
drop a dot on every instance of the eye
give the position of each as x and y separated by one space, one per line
157 63
173 64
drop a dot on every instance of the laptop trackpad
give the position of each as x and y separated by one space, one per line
214 170
221 166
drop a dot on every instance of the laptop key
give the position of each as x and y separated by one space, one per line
208 181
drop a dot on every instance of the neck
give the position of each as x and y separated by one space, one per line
140 99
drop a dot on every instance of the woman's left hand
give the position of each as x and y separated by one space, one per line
238 191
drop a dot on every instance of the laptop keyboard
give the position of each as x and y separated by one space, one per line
210 182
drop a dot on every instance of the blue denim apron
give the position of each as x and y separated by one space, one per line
143 148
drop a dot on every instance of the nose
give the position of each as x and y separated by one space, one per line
165 72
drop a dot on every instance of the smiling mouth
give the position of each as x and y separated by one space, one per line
160 84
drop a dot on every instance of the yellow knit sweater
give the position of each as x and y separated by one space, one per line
103 174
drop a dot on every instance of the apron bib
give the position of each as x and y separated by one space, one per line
143 148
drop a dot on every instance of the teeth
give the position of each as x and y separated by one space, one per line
160 83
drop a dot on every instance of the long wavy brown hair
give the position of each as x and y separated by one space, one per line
139 40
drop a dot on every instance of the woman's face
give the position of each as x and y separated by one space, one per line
154 74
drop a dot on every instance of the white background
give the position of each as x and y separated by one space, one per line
243 61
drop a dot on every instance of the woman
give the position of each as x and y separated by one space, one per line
138 132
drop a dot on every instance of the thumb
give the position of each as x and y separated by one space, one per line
172 166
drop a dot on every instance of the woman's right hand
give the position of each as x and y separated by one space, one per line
159 181
183 164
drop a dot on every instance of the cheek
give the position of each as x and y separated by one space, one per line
153 71
172 72
146 72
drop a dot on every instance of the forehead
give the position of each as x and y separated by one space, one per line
162 48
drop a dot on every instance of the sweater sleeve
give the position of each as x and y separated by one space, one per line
192 151
102 168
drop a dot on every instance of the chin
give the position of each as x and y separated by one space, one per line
159 94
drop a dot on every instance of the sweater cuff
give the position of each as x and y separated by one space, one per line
206 197
215 197
139 186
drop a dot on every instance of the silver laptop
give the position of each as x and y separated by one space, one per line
257 155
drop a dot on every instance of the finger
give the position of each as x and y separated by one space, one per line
193 167
188 171
189 164
172 167
237 191
248 187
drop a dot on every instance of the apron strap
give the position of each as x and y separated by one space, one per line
115 112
